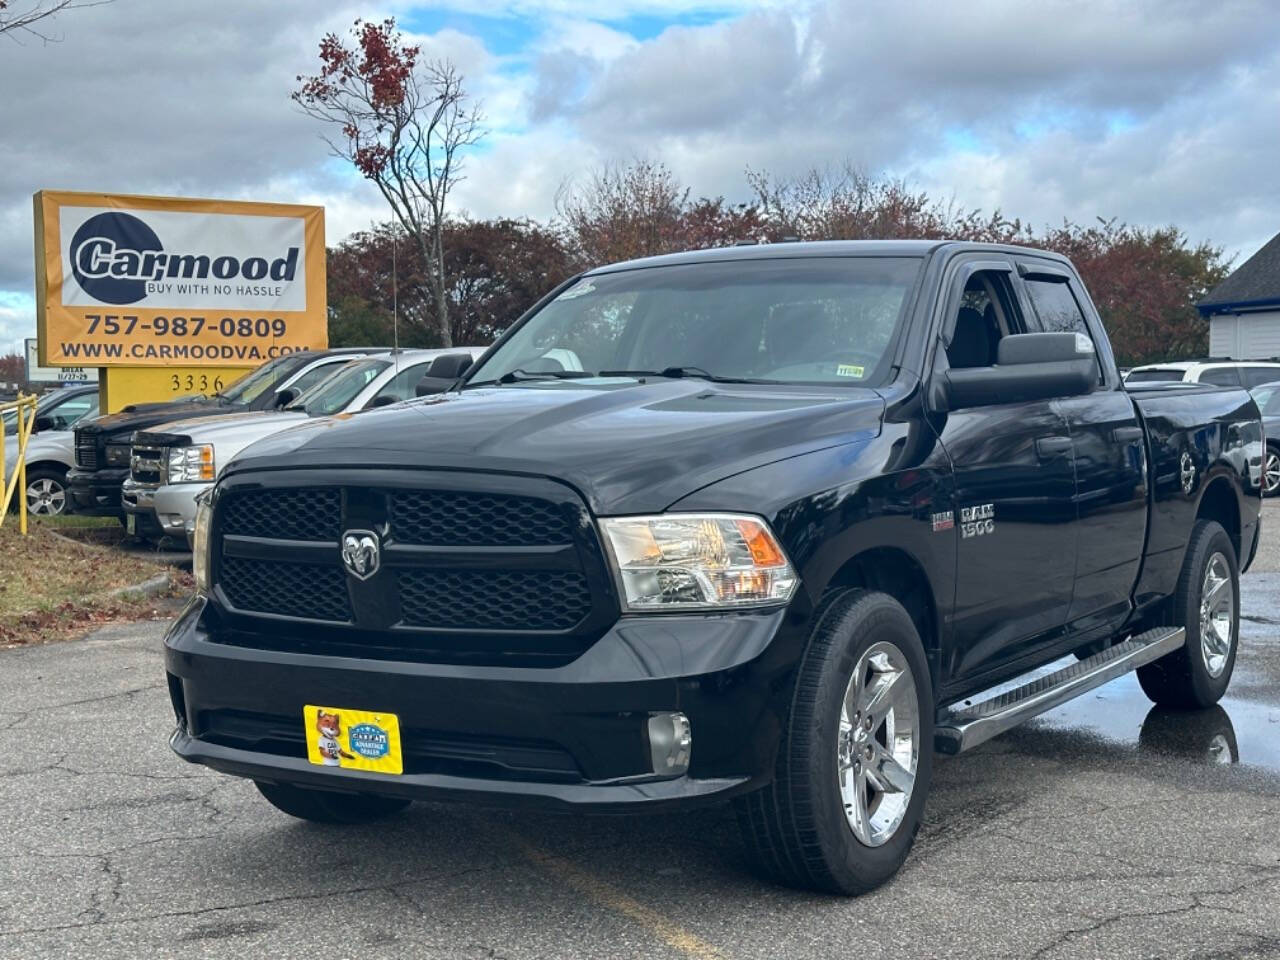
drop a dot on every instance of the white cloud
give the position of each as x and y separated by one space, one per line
1154 112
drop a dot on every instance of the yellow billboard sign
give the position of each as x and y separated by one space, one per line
158 281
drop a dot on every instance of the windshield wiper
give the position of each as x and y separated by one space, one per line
680 373
520 376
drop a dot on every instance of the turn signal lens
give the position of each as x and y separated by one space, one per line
698 562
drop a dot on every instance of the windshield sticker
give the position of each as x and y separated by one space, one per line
850 370
577 290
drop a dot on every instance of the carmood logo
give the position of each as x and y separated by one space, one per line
94 251
117 258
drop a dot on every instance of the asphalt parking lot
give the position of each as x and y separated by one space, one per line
1106 829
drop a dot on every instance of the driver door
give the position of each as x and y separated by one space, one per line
1013 507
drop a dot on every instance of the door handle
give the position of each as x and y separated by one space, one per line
1049 447
1126 434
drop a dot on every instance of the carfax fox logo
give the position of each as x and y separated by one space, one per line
115 255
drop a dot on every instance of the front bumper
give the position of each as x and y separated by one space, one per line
571 737
168 508
97 492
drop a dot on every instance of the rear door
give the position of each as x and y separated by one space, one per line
1110 457
1013 509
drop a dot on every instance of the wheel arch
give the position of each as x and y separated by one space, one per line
895 571
1219 502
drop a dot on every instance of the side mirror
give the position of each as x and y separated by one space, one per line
443 373
385 400
1030 366
43 423
285 397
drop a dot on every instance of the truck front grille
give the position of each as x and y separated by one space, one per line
488 573
147 464
86 450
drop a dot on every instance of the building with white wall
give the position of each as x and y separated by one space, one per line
1244 309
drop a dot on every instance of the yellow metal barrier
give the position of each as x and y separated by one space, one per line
26 407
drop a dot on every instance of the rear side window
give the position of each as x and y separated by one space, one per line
1257 376
1221 376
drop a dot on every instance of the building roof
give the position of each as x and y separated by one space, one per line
1255 283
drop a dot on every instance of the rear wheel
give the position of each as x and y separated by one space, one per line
1271 471
856 754
1207 605
322 806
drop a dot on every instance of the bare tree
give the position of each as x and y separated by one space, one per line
16 18
404 125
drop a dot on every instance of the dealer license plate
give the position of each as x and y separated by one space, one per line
353 739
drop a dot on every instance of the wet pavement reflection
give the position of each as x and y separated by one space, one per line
1244 728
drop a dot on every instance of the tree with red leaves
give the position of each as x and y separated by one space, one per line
405 125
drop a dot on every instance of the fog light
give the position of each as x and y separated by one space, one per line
670 743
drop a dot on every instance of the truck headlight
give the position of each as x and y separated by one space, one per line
193 464
698 562
118 454
200 541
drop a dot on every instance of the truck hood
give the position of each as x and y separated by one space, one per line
145 415
222 427
626 447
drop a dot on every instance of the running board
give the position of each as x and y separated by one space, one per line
962 727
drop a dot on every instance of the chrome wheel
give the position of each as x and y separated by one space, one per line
1271 473
879 744
46 497
1217 614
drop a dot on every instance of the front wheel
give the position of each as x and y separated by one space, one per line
46 493
856 754
1207 604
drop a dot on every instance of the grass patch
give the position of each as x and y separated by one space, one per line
51 588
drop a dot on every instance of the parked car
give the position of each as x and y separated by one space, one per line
102 448
58 409
1226 373
1267 397
789 518
173 463
51 449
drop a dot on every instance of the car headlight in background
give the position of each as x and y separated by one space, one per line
193 464
200 541
698 562
118 454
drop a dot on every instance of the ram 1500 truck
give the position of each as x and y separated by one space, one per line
764 523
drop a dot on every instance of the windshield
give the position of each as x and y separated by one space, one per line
332 395
815 320
256 382
1268 399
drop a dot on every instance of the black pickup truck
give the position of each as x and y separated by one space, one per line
102 445
759 523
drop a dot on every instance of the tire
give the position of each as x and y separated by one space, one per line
322 806
46 492
1196 675
1271 471
796 830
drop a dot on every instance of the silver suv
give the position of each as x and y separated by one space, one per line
1224 373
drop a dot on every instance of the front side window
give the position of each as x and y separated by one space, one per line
809 320
332 395
1057 310
321 371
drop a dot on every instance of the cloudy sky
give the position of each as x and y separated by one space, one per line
1157 112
